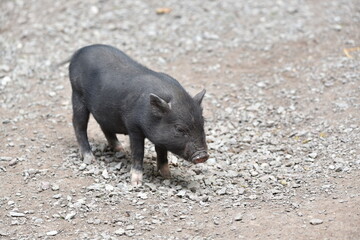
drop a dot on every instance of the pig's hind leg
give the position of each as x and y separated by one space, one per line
80 121
113 141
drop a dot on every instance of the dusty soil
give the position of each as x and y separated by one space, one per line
282 110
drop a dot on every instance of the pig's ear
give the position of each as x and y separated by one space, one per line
159 105
199 97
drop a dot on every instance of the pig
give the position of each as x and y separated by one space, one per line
126 97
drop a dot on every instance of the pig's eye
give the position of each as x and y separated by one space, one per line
180 129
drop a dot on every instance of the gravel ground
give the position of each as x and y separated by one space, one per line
282 110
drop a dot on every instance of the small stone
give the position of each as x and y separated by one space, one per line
142 195
221 191
261 84
181 193
211 161
289 164
238 217
70 216
16 214
118 166
52 233
6 121
152 186
95 187
130 227
45 186
119 155
283 182
3 233
57 196
105 174
55 187
253 197
13 162
82 166
5 158
316 221
94 10
4 68
109 187
5 80
254 173
337 27
241 191
338 168
232 174
38 221
313 155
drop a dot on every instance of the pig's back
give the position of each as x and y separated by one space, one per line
99 63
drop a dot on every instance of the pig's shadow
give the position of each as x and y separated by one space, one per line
103 153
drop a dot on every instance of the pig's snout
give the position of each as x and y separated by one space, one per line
199 157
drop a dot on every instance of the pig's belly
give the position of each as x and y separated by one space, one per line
111 123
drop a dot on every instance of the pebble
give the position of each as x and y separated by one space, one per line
221 191
82 166
181 193
45 186
70 216
4 233
241 191
13 162
105 174
316 221
120 232
5 158
238 217
38 221
52 233
211 161
57 196
109 188
17 214
55 187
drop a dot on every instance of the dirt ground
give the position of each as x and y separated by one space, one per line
283 74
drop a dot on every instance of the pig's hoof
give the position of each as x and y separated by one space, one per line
117 147
88 158
165 171
136 177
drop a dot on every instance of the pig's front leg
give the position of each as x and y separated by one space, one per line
162 162
137 152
